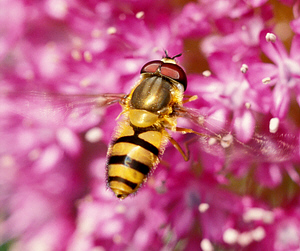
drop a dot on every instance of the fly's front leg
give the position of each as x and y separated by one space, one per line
185 154
110 99
187 130
189 98
123 100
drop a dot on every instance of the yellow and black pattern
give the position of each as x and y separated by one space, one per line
132 156
141 137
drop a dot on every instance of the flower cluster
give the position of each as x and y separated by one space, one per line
240 188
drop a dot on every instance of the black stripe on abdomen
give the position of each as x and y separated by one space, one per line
140 142
129 162
132 185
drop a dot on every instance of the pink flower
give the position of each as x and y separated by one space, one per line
229 94
192 22
285 74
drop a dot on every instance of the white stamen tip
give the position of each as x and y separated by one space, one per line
258 214
268 217
94 135
206 245
258 233
87 56
201 120
248 105
111 30
253 214
206 73
85 82
273 125
270 37
230 236
140 15
244 68
76 55
245 239
212 141
203 207
226 141
266 80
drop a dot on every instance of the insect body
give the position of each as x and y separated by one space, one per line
141 136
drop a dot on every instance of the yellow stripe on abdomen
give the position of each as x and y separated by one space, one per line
126 173
135 152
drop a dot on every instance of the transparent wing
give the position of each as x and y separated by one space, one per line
263 146
56 107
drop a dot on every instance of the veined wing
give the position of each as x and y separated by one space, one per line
56 108
264 146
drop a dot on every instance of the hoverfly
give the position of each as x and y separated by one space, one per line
151 109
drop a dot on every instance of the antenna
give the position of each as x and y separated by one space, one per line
167 55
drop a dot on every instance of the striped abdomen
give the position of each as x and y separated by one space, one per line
131 157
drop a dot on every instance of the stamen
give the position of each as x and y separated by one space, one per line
253 214
206 245
212 141
94 135
111 30
258 214
203 207
230 236
76 55
85 82
201 120
140 15
87 56
274 125
244 68
270 37
226 141
258 233
247 105
206 73
266 80
245 239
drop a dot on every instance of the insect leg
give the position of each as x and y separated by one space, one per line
112 98
187 130
186 155
189 98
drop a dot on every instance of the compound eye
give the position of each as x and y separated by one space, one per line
174 72
151 67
